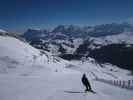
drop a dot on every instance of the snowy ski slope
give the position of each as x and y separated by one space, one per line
27 74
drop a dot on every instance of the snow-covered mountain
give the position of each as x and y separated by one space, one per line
125 37
31 34
16 55
93 31
2 31
69 37
71 41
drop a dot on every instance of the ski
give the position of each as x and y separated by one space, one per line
90 91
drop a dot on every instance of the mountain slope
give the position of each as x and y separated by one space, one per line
125 37
64 36
74 42
16 56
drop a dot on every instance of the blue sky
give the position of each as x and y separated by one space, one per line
18 15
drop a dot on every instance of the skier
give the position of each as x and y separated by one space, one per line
86 83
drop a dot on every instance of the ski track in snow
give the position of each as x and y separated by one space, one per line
52 86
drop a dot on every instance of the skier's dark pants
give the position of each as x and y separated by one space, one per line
86 83
88 87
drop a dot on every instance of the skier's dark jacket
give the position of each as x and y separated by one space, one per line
85 80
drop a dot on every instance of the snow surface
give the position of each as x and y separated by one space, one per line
126 37
27 74
18 56
54 48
